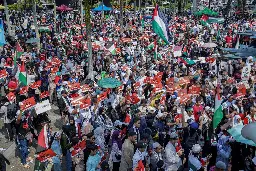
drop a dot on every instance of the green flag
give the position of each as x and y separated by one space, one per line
142 23
218 115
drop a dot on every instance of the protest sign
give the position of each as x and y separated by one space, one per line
42 107
77 148
45 155
27 104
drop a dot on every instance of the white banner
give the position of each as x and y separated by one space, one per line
42 107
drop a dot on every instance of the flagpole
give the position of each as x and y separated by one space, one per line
155 48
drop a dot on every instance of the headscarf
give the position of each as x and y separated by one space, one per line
222 142
99 137
117 140
236 117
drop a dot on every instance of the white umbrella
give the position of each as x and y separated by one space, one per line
209 45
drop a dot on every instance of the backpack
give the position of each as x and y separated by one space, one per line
191 140
11 111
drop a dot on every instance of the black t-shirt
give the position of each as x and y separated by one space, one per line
190 137
22 129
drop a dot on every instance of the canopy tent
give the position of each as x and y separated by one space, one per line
64 8
206 11
102 7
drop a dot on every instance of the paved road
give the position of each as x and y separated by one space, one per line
10 148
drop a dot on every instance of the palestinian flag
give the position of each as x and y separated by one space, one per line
187 61
23 74
112 49
159 24
19 51
43 138
185 51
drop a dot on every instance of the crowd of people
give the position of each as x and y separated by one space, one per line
146 108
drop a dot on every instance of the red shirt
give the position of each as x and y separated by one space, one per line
197 109
56 80
229 39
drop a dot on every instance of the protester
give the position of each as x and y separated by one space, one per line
128 152
138 100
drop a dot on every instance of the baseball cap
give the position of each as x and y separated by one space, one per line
141 145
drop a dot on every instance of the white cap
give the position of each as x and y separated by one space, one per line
196 148
207 108
155 145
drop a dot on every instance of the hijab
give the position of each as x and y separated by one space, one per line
117 140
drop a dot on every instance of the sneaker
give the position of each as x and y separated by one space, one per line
26 166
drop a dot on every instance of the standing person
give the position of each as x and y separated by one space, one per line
22 130
136 127
99 137
194 162
56 147
172 158
139 154
69 132
9 110
3 162
116 149
197 109
52 87
63 105
223 150
127 152
94 158
89 142
156 156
